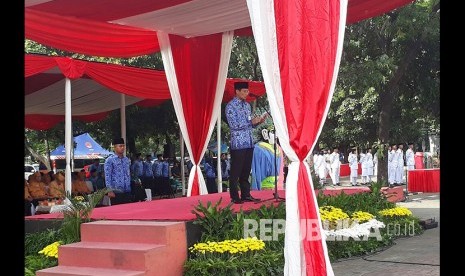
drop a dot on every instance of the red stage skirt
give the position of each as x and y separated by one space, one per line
345 169
424 180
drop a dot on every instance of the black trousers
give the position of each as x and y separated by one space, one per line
148 182
122 198
27 208
211 185
241 164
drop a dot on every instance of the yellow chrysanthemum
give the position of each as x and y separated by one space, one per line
332 214
51 250
361 216
228 246
396 212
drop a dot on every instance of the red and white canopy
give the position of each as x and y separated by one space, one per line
116 28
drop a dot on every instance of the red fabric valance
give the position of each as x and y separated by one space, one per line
88 37
132 81
44 122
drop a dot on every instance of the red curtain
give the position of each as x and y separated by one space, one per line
307 39
196 62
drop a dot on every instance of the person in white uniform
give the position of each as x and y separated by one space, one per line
400 165
327 154
410 157
375 164
353 164
335 165
392 165
369 165
363 164
315 160
321 167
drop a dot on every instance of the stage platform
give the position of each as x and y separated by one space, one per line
180 209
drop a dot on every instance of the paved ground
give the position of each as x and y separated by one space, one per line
418 255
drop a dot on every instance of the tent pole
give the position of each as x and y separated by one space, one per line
123 120
181 144
68 135
218 156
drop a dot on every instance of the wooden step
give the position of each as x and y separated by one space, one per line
128 256
157 232
90 271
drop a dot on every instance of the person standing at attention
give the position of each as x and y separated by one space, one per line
369 165
335 166
410 157
240 121
353 164
117 174
399 179
392 165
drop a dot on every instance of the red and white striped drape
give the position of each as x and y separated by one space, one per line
299 44
196 70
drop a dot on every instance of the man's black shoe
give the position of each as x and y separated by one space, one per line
250 199
237 201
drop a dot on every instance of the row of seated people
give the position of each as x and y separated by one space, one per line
48 186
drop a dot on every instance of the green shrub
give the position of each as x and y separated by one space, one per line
78 212
371 202
216 223
34 242
266 262
38 262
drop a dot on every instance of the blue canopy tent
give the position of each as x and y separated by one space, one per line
214 147
86 148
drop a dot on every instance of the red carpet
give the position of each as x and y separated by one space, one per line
180 209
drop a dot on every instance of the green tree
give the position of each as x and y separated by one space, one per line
388 83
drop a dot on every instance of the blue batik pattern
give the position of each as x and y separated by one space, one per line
148 169
238 114
138 168
156 168
209 170
117 174
165 168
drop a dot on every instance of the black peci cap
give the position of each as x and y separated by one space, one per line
118 141
241 85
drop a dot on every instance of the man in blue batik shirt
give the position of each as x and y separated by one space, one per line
239 116
117 174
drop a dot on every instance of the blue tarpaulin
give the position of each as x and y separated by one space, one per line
213 147
86 148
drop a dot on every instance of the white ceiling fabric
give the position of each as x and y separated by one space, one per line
195 18
88 97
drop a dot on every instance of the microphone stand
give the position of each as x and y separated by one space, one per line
276 196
